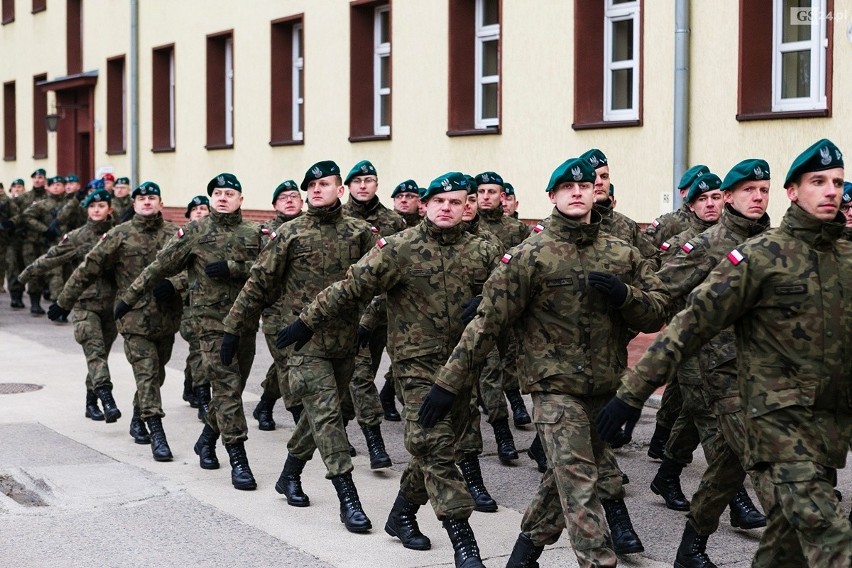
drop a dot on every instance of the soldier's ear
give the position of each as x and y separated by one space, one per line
793 192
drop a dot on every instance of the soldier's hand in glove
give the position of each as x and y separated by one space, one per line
623 437
297 332
164 291
121 309
218 269
469 309
364 336
55 312
613 416
435 406
609 285
230 344
52 231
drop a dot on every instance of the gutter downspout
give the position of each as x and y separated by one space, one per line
681 98
134 92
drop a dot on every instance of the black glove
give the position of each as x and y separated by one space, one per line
52 231
218 269
230 343
297 332
164 291
610 285
81 194
623 437
54 312
364 336
435 406
121 310
470 307
613 416
9 225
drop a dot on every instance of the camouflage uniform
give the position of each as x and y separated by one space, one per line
120 205
40 218
6 213
22 252
573 345
71 215
626 229
411 219
666 226
786 292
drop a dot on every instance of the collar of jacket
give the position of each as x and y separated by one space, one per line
492 215
581 234
734 221
99 227
226 219
447 236
326 214
362 208
151 223
698 224
804 226
411 219
472 226
280 218
604 208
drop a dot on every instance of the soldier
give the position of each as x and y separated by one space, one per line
25 248
94 326
783 291
406 202
16 188
308 254
510 202
12 261
5 219
674 222
43 231
217 252
109 182
72 215
149 329
121 201
846 208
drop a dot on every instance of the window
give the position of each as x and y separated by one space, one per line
621 53
370 71
287 81
487 64
162 99
39 114
8 11
39 6
116 95
381 71
220 91
74 37
10 150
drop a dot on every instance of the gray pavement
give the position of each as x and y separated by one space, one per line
74 492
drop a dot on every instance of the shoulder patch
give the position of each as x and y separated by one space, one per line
735 257
687 247
180 233
64 238
272 235
506 258
374 229
666 245
265 231
538 228
655 223
103 236
381 242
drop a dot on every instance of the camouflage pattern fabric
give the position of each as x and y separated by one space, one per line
626 229
19 258
37 218
227 382
668 225
72 215
194 368
510 231
148 355
95 331
120 205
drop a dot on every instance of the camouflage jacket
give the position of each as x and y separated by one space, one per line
308 254
272 318
668 225
120 205
671 246
427 273
38 217
411 219
511 232
373 212
126 250
72 214
21 203
627 230
572 341
219 236
787 293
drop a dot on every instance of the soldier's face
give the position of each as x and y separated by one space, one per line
109 185
289 203
489 196
39 180
121 190
199 212
99 210
445 210
71 187
146 205
226 200
56 188
16 190
819 193
510 204
470 207
406 202
363 188
749 198
324 191
421 208
574 199
602 183
708 206
846 209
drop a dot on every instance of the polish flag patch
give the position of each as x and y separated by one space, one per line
180 233
538 228
735 257
687 247
373 229
506 258
381 242
64 238
655 223
666 245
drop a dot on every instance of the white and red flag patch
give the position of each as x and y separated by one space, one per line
374 229
180 233
666 245
538 228
687 247
381 242
506 258
655 223
735 257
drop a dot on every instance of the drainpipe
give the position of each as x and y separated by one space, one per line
681 98
134 92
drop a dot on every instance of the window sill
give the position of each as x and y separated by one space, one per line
369 137
116 152
37 10
474 132
9 158
162 150
219 146
274 143
822 113
42 156
606 124
4 22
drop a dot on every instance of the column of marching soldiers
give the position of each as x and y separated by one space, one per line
474 308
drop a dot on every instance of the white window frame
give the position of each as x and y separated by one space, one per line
818 47
297 66
381 50
614 13
484 34
172 102
229 91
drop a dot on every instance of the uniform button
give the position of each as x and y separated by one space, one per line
579 367
754 411
713 363
828 333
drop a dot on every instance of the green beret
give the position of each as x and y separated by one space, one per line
39 172
70 178
823 155
362 168
18 181
471 184
122 181
146 188
595 157
707 182
691 174
55 179
288 185
196 201
318 171
489 177
97 196
747 170
572 169
509 188
847 193
408 186
224 181
450 181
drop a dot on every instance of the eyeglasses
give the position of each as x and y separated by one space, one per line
363 181
289 197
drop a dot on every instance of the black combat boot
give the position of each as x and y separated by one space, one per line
241 476
189 392
624 538
202 394
35 305
402 523
525 553
520 416
137 428
744 515
17 300
263 413
505 442
692 550
351 513
536 453
296 411
657 447
289 482
205 448
92 410
379 457
464 543
387 397
666 484
483 502
111 411
159 445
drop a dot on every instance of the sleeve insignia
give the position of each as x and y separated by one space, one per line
735 257
180 233
64 238
103 236
381 242
264 231
538 228
655 223
687 247
272 235
374 229
506 258
666 245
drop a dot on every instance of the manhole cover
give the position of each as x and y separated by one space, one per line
15 388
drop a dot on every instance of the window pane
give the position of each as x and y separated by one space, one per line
622 89
622 40
489 100
384 110
301 84
490 12
794 28
796 74
384 73
384 27
489 58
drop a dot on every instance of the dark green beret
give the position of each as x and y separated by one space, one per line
472 186
707 182
572 169
55 179
847 193
509 188
823 155
408 186
318 171
691 174
97 196
196 201
362 168
70 178
747 170
39 172
595 157
450 181
224 181
18 181
122 181
489 177
146 188
288 185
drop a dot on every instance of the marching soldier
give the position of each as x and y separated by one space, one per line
43 231
25 248
121 201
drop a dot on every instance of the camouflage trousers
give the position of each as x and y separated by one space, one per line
368 408
696 423
431 475
566 497
95 332
193 371
491 388
227 383
670 405
470 442
610 483
276 384
15 265
804 526
322 385
148 357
